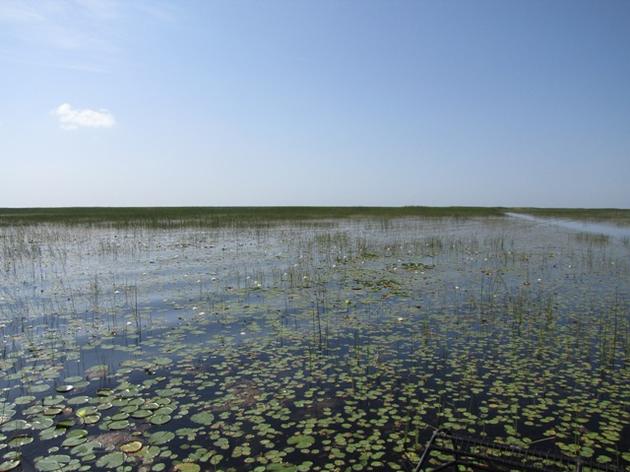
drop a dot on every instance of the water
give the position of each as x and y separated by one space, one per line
351 341
616 231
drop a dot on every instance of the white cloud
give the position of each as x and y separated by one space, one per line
72 118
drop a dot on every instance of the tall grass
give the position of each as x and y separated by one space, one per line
215 217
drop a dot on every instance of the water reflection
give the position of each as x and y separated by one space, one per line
587 226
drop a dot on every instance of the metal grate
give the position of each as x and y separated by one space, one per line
482 455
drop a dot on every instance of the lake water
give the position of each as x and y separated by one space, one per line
617 231
339 345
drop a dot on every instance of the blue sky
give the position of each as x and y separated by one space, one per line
315 103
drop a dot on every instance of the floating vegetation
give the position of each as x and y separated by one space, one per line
304 347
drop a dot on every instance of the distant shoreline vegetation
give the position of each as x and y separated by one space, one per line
216 217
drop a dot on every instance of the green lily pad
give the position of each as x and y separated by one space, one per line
9 465
301 441
111 460
205 418
187 467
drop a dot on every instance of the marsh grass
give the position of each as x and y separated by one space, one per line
592 238
217 217
225 217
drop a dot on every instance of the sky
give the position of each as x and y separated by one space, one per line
149 103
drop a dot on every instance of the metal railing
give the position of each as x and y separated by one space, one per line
482 455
